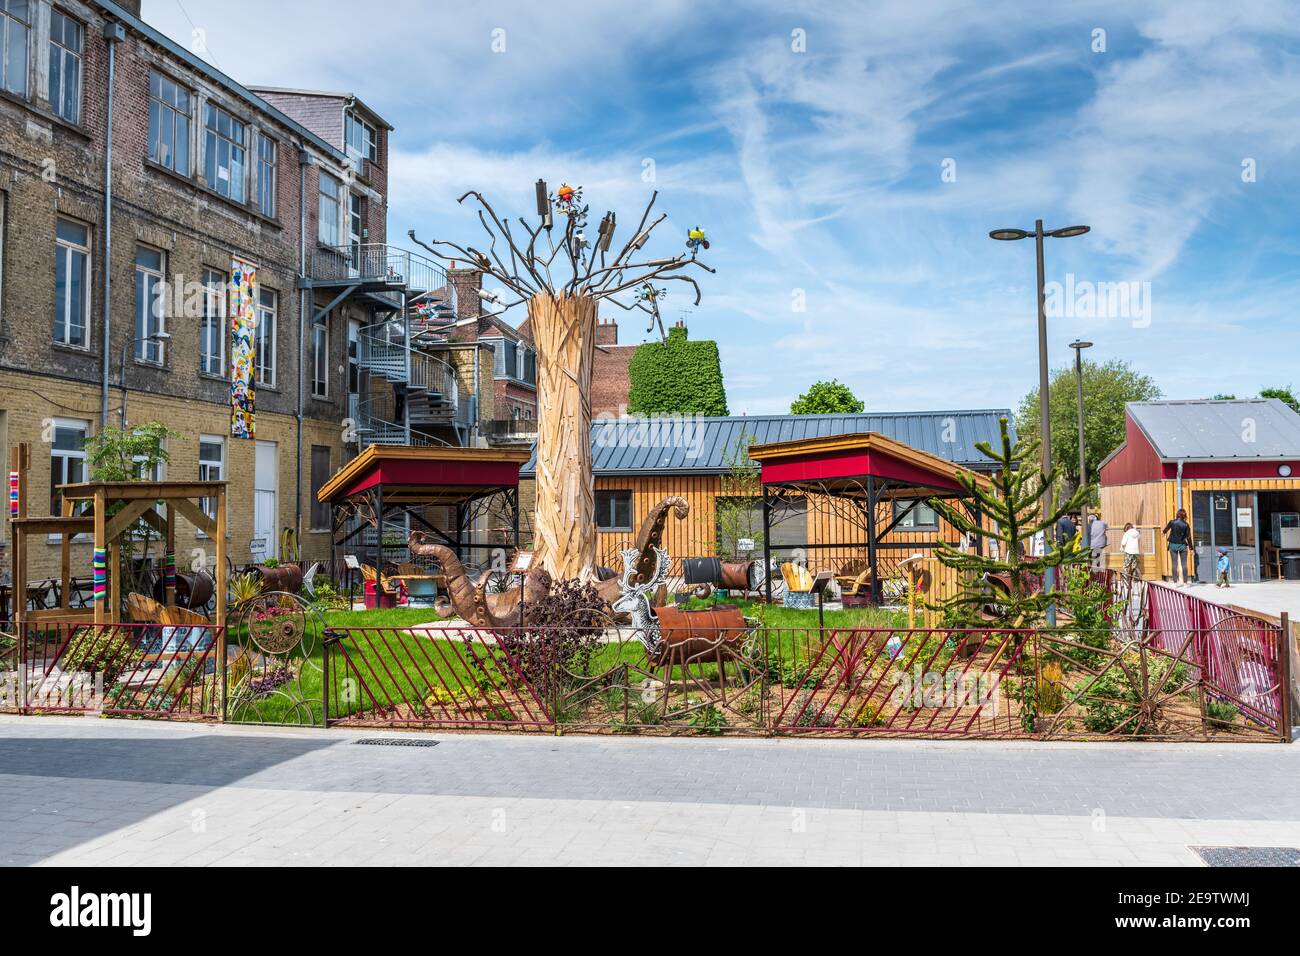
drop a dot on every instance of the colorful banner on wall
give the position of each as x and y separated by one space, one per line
243 347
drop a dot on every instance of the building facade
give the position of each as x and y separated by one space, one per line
640 462
197 282
1232 465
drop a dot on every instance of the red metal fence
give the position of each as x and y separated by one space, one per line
124 669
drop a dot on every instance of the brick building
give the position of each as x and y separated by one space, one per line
225 204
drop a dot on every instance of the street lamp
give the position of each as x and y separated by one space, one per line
121 379
1044 419
1079 345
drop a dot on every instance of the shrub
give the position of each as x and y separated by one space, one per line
709 720
1051 688
1220 714
562 635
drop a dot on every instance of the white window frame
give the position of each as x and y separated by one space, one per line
369 147
67 455
333 238
60 55
268 327
172 113
320 360
146 350
910 523
68 249
214 298
8 23
236 181
268 174
206 468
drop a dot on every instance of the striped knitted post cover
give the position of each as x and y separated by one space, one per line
13 494
169 570
99 562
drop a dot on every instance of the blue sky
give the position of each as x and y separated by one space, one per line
820 174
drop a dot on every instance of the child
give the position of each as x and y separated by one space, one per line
1224 567
1131 545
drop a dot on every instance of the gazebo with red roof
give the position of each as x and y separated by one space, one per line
388 482
854 473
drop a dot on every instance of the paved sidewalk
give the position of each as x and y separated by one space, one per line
107 791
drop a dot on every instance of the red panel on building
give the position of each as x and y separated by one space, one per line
1136 461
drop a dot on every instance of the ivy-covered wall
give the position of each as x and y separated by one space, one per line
676 376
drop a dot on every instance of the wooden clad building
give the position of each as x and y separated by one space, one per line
1234 465
639 462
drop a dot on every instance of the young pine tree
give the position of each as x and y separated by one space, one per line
1008 582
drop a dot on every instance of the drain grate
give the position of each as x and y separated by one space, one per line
1248 855
394 742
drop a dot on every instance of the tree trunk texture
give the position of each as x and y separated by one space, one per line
564 330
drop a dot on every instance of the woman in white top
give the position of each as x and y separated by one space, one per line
1131 545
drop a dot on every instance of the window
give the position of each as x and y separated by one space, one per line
148 304
224 161
331 210
922 516
320 354
359 141
264 362
212 467
71 283
67 458
169 124
320 474
67 38
614 510
212 328
14 19
267 159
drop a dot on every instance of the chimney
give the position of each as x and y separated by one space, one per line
607 332
466 283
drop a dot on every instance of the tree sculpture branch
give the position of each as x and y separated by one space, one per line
526 268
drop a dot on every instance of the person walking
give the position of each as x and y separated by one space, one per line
1178 535
1224 567
1097 529
1131 545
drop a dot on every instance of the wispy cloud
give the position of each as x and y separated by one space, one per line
846 245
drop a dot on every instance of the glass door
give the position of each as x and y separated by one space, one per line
1228 520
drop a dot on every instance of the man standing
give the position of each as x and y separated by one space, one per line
1065 530
1131 545
1097 540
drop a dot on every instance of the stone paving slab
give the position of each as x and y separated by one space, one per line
132 792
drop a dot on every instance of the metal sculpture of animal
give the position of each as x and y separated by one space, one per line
673 636
646 547
473 602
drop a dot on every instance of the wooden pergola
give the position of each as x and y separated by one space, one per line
855 472
107 510
387 482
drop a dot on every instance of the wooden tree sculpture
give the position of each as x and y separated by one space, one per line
562 279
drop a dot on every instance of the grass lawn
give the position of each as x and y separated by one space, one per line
390 665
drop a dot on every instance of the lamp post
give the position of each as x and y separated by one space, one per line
121 379
1079 345
1044 416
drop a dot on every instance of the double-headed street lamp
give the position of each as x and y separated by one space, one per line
1044 418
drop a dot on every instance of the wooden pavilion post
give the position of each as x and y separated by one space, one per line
564 531
99 544
221 585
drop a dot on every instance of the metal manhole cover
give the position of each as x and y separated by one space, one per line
1248 855
394 742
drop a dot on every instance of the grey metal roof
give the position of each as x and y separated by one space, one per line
1246 428
702 445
